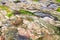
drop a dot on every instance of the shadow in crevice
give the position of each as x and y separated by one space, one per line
19 37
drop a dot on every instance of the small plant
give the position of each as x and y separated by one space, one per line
9 14
57 0
22 11
6 8
58 9
16 1
36 0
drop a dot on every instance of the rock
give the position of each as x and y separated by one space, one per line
1 38
16 12
42 15
10 33
41 25
17 21
53 6
19 37
51 21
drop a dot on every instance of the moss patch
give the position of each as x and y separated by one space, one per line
36 0
22 11
58 9
57 0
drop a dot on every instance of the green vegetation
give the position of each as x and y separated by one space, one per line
58 9
22 11
6 8
57 0
16 1
36 0
9 14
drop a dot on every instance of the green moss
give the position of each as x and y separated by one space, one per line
16 1
9 14
58 9
6 8
22 11
57 0
36 0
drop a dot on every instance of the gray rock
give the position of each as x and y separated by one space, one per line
45 15
53 6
